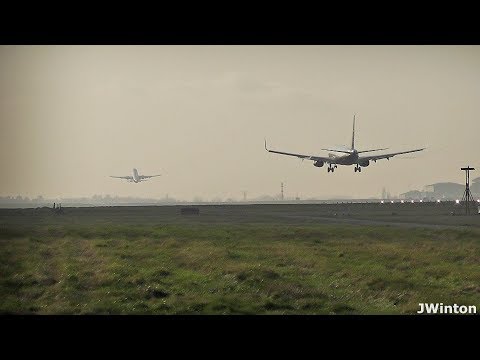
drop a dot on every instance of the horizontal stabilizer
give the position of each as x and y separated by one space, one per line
364 151
338 150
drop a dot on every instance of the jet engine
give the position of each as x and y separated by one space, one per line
365 163
318 163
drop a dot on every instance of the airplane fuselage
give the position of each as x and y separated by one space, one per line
136 178
350 159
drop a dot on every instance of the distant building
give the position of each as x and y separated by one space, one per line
443 191
446 190
412 195
475 187
385 194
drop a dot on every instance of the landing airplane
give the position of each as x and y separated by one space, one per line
352 157
135 178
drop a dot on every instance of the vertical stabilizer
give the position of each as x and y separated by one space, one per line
353 133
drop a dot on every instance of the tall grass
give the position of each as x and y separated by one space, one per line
234 269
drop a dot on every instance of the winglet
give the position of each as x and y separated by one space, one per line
265 144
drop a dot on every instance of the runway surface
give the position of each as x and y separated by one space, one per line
431 215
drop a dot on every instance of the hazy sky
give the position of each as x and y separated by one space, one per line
70 116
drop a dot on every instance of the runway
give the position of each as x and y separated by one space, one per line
431 215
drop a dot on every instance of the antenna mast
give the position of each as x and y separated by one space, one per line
467 195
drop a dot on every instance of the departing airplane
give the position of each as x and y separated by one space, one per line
135 178
352 157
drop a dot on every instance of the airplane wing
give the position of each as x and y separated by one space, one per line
147 176
301 156
130 178
387 156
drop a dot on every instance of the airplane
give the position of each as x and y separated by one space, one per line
135 178
351 158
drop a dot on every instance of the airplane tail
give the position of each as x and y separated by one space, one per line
353 133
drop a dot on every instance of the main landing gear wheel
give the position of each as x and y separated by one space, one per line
358 168
330 169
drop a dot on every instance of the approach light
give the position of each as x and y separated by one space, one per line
438 201
412 201
478 200
381 202
391 201
421 201
457 201
402 201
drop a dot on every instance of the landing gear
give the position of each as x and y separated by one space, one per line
358 168
331 168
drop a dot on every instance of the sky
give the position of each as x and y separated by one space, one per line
71 116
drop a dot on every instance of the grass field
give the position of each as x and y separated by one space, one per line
131 261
